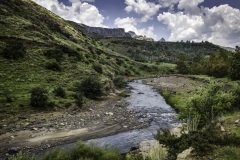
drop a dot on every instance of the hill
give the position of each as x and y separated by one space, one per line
40 49
141 50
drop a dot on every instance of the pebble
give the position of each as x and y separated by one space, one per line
237 121
35 129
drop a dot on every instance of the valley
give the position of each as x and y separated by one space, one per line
69 91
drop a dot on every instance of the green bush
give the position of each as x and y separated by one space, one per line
83 152
211 103
91 87
79 99
21 156
53 66
58 154
119 82
39 97
14 51
235 65
98 68
59 92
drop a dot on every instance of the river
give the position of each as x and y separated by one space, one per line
143 99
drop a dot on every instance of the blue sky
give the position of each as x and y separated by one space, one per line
216 21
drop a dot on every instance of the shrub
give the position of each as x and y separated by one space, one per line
56 54
39 97
235 65
98 68
21 156
14 51
58 154
91 87
59 92
119 82
54 66
79 99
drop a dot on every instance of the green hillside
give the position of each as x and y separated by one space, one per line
143 51
40 49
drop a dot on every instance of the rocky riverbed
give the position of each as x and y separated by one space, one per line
39 132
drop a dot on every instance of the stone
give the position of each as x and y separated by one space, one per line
109 113
12 137
185 155
13 150
222 129
35 129
62 124
237 121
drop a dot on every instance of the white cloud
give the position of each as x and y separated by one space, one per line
220 24
142 7
168 3
190 6
130 24
79 11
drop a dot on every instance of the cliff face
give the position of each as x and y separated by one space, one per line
108 32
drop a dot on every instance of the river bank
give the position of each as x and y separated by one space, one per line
42 131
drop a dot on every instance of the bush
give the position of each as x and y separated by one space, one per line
79 99
54 66
39 97
14 51
56 54
59 92
98 68
119 82
91 87
21 156
235 65
82 152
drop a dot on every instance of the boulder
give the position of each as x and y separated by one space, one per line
185 155
13 150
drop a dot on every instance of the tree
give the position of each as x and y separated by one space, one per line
182 65
235 65
91 87
39 97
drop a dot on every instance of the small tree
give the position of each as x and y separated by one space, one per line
39 97
14 51
119 82
182 65
79 99
91 87
235 65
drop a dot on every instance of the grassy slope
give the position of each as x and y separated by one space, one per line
158 51
40 31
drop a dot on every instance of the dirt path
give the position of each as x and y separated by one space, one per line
36 132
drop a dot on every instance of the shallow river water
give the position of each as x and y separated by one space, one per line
143 99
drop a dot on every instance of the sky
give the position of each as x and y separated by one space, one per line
216 21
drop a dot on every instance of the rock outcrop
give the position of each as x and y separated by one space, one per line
108 32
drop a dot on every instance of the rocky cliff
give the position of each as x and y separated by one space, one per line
108 32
